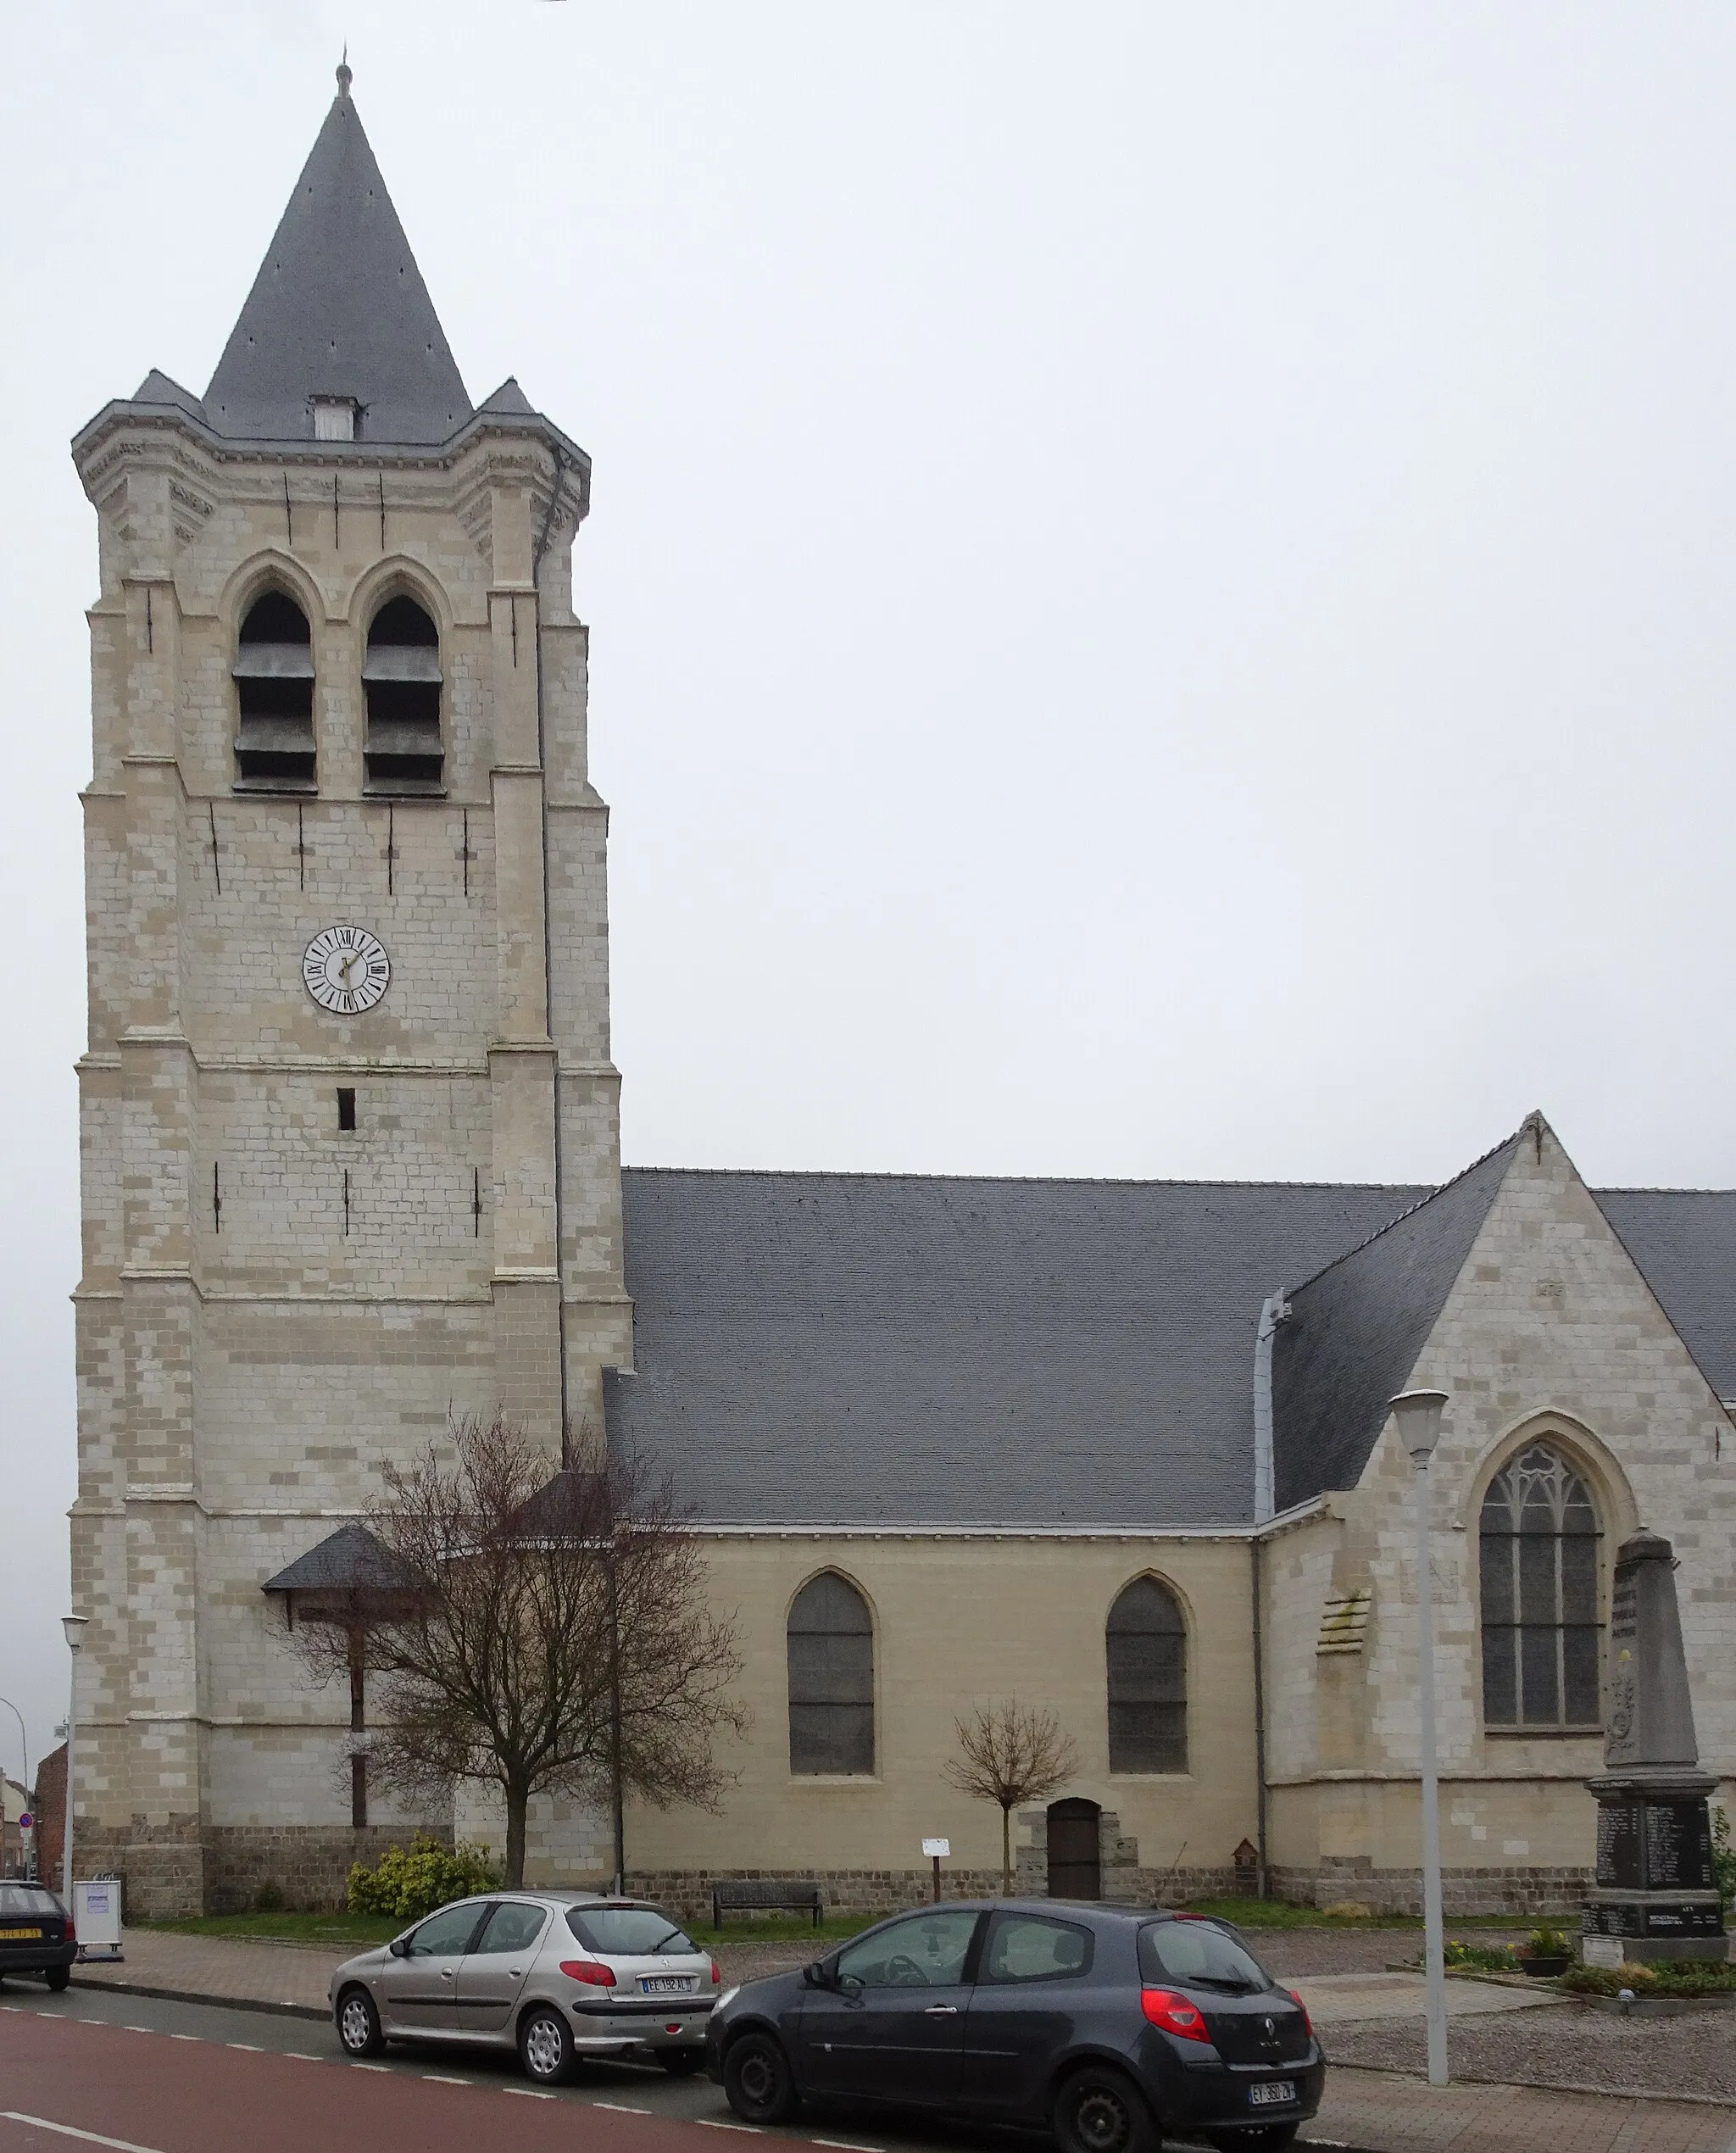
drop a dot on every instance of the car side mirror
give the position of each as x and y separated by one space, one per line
815 1975
399 1947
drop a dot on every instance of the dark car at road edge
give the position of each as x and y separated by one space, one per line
36 1934
1111 2026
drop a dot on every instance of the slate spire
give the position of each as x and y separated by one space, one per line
339 310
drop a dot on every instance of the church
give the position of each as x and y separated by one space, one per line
351 1165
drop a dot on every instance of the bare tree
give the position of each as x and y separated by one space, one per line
1011 1753
544 1634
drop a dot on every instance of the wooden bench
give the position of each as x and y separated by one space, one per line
765 1894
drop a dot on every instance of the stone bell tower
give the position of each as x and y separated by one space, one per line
349 1120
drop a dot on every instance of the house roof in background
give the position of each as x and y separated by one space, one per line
339 310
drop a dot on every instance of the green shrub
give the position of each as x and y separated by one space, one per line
268 1898
1547 1943
1477 1958
407 1882
1685 1977
1723 1857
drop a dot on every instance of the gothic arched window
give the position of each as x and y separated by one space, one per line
831 1677
1147 1642
1538 1541
401 679
273 688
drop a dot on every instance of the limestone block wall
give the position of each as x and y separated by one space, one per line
958 1621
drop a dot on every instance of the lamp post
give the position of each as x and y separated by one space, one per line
30 1866
75 1627
1418 1414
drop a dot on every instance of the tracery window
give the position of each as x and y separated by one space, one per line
1537 1540
1147 1644
831 1643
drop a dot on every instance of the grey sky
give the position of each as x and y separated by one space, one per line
1159 577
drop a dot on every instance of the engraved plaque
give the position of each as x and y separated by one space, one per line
1618 1846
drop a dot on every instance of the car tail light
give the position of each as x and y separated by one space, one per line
588 1971
1174 2014
716 1975
1307 2022
69 1935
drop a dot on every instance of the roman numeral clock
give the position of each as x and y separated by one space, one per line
346 970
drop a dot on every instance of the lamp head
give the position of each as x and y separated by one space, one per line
75 1627
1418 1414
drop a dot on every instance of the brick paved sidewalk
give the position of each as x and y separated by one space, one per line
270 1976
1382 2111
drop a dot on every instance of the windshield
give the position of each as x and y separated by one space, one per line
27 1899
1198 1954
627 1931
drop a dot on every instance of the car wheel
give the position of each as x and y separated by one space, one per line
545 2046
757 2081
57 1977
682 2063
1098 2111
358 2024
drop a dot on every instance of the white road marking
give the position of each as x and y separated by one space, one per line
439 2079
301 2055
620 2107
529 2093
68 2130
712 2123
186 2037
847 2145
370 2066
247 2048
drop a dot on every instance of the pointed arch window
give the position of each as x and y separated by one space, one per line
401 680
1147 1642
274 686
1538 1543
831 1645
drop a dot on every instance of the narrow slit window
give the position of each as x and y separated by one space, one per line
346 1106
274 686
402 678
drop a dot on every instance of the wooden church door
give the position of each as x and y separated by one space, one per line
1075 1858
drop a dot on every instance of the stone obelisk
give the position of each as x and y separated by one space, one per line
1655 1897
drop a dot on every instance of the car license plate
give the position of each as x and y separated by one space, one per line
668 1984
21 1935
1273 2093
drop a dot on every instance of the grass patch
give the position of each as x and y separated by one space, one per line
1278 1913
358 1931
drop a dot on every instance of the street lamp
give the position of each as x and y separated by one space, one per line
1418 1414
27 1849
75 1627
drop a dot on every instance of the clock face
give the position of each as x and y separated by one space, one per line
346 970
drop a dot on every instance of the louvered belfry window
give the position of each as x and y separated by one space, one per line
1537 1542
401 679
274 686
1147 1641
831 1678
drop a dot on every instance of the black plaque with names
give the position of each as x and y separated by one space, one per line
1618 1845
1679 1846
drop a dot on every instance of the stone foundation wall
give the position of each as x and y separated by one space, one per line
875 1892
1464 1891
173 1871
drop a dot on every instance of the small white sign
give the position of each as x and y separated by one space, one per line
1600 1951
937 1848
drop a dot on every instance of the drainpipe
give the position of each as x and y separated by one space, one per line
1273 1310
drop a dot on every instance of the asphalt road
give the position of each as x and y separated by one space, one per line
145 2075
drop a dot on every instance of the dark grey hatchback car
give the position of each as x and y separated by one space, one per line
1111 2025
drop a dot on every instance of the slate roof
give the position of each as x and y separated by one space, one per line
1354 1331
847 1349
350 1560
1684 1241
338 309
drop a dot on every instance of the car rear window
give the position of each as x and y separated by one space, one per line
627 1931
1198 1952
27 1899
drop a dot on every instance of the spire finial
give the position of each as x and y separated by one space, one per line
344 76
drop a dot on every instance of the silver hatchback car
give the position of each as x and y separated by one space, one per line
556 1974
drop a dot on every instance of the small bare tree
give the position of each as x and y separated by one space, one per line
1011 1753
545 1634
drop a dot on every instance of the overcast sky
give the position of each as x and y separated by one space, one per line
1160 577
